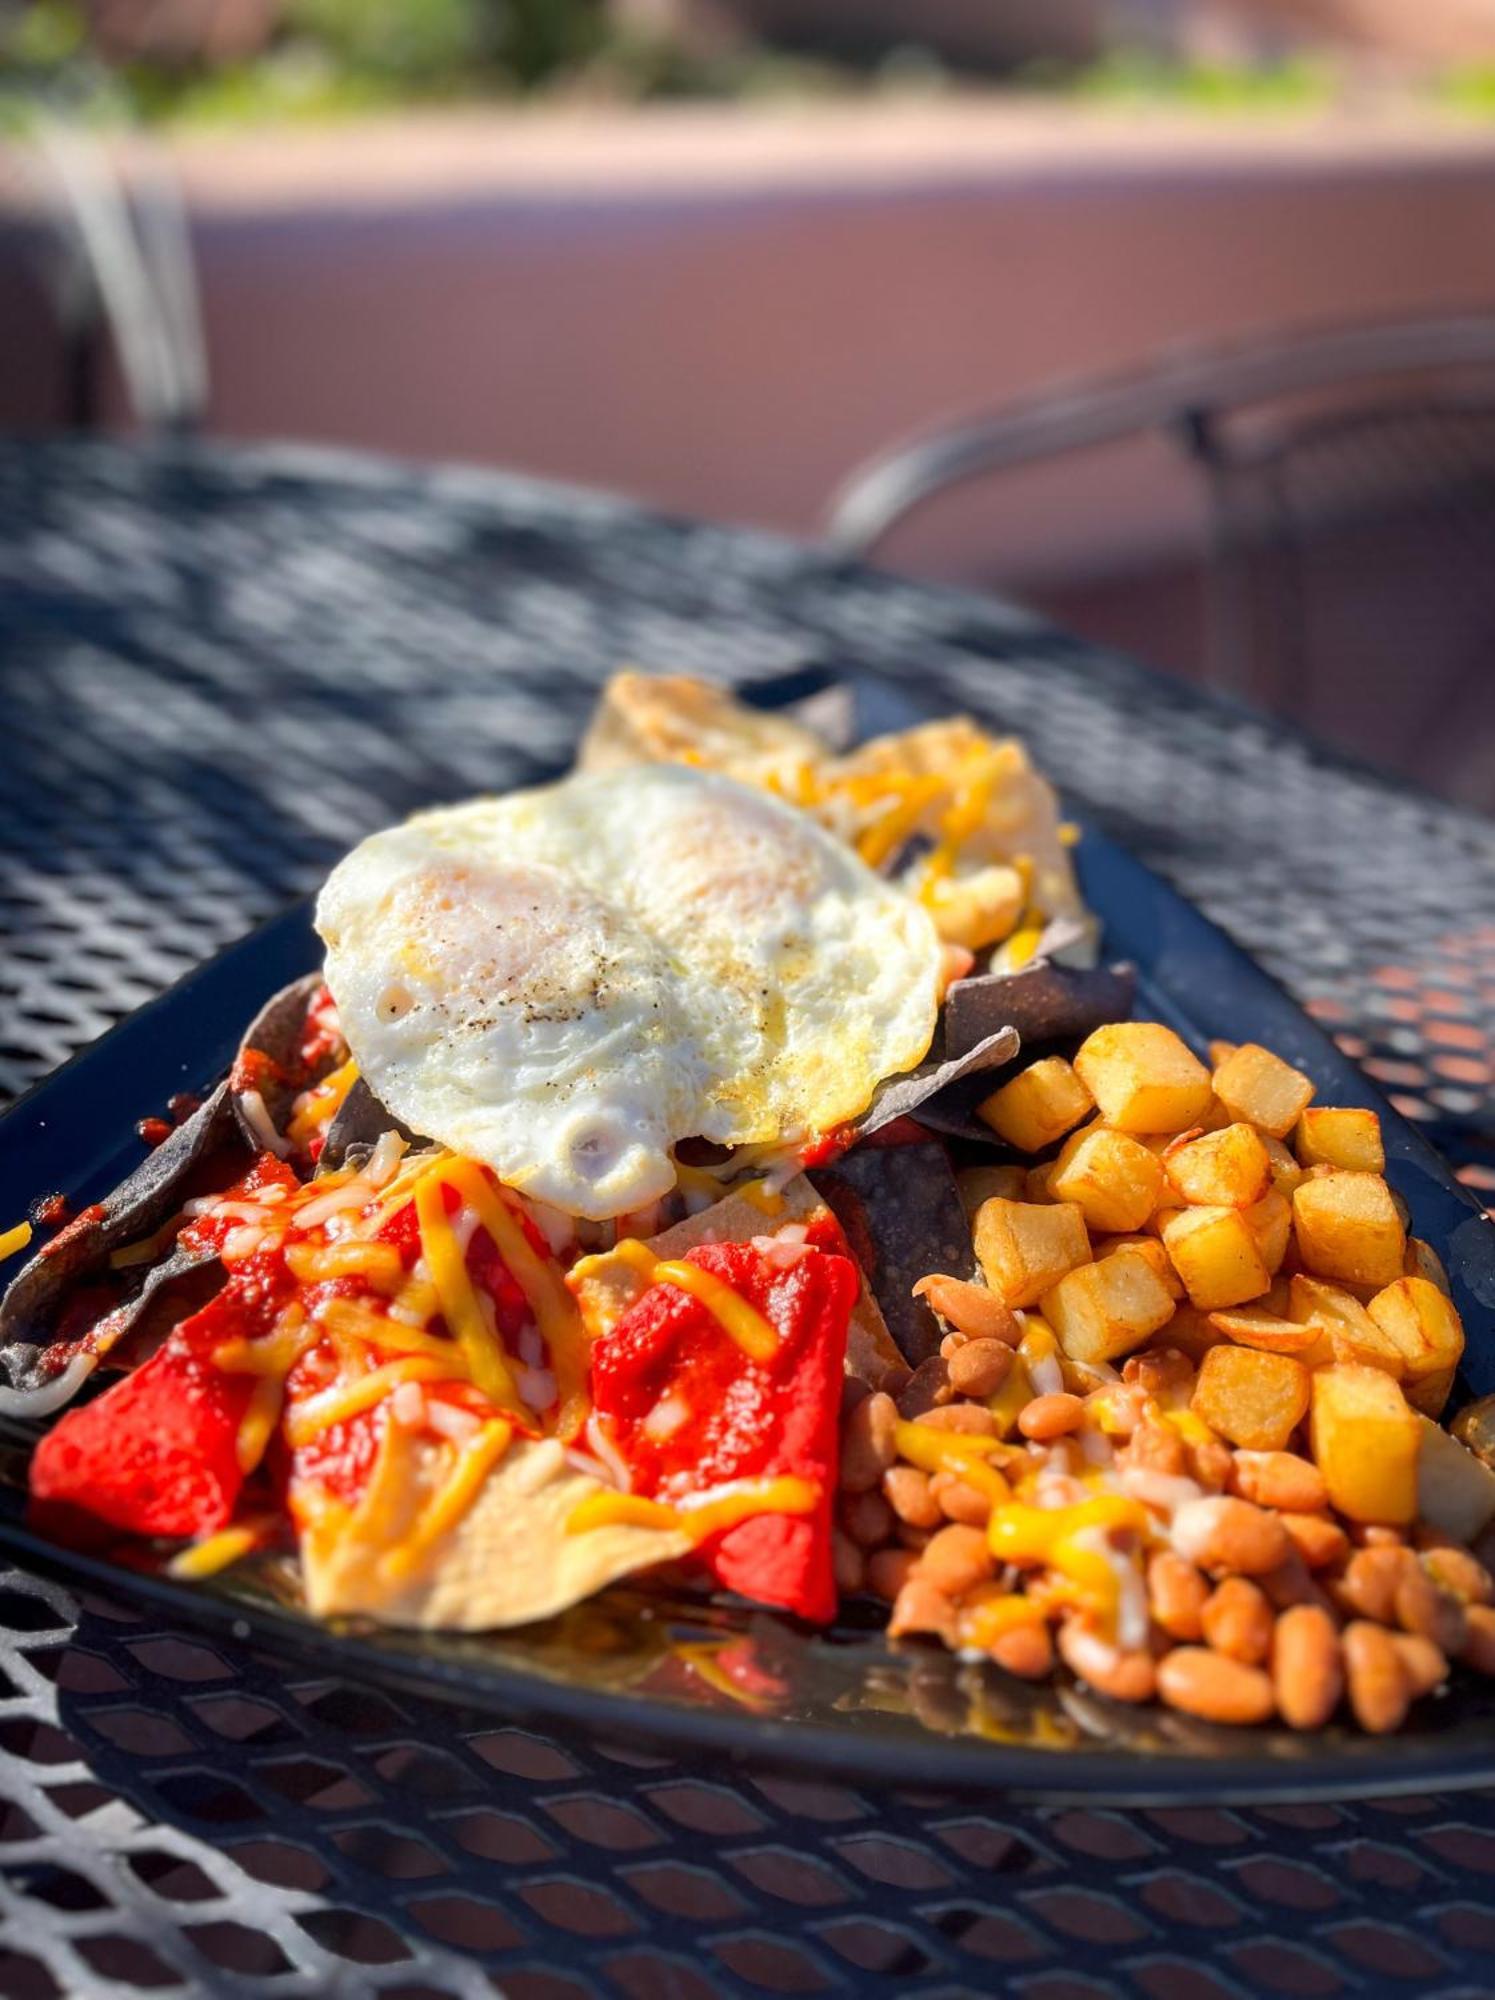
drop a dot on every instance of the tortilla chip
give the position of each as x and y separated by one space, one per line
38 1294
1043 1002
676 718
902 1214
927 1093
607 1287
508 1561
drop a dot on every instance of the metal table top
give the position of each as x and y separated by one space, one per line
219 668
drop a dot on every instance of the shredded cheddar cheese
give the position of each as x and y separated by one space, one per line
702 1518
216 1552
555 1312
1071 1540
257 1425
316 1106
475 1460
480 1347
377 1263
739 1320
350 1399
934 1450
12 1240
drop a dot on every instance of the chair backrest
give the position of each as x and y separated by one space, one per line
1349 486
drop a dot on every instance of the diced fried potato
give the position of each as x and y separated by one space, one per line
1270 1221
1329 1137
1351 1333
1250 1326
1426 1328
1423 1261
1224 1169
1036 1183
1262 1090
1038 1106
1104 1310
1151 1248
1347 1227
1366 1441
1143 1077
1220 1052
1192 1332
1455 1490
1024 1248
1286 1172
979 1184
1114 1181
1256 1400
1215 1253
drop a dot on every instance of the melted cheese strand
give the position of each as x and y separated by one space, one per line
216 1552
350 1399
555 1312
701 1518
316 1106
475 1460
12 1240
740 1321
459 1304
257 1425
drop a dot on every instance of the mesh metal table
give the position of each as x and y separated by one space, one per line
219 668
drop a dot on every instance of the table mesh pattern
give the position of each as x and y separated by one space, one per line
218 670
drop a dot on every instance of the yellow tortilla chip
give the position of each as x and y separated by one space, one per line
507 1561
675 718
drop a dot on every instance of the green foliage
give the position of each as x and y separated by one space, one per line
1135 77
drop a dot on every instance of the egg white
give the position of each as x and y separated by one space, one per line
565 982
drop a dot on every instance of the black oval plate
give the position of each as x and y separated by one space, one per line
718 1678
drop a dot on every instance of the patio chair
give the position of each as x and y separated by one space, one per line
1346 481
111 254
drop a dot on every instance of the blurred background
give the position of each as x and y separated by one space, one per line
1172 318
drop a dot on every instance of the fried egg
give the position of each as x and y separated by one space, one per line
565 982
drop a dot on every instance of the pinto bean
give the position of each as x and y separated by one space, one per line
1176 1595
1238 1621
956 1560
1318 1540
1307 1673
1280 1479
906 1490
1025 1650
1214 1687
1370 1582
848 1564
888 1571
1210 1462
1049 1417
1454 1568
1121 1675
921 1606
1157 1448
1380 1687
959 1501
968 1418
1478 1650
980 1367
1435 1614
1229 1536
1425 1663
867 1443
970 1309
867 1518
926 1389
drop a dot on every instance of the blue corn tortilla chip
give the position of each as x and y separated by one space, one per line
901 1211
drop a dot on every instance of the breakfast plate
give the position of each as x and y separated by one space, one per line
654 1657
